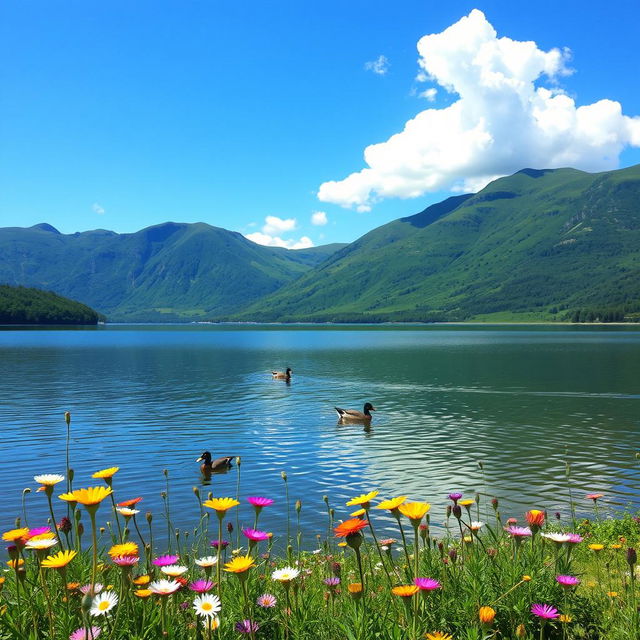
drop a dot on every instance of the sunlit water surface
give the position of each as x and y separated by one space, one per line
524 401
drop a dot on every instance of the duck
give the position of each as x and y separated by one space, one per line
280 375
351 415
219 464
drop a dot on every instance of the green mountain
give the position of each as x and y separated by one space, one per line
19 305
540 244
165 272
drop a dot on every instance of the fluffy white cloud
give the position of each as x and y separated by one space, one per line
97 208
379 66
319 218
429 94
269 236
502 121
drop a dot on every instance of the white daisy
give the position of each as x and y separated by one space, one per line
48 479
285 575
164 587
174 570
207 561
103 603
41 543
476 526
126 512
557 537
207 605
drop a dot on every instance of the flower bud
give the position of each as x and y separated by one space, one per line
457 511
196 492
326 498
448 511
336 569
453 554
632 557
494 503
283 474
298 505
80 528
521 631
67 418
238 461
71 475
149 516
64 525
166 473
230 527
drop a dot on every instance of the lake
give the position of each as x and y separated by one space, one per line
523 400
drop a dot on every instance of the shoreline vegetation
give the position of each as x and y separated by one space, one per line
486 575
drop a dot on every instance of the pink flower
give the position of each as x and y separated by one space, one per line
567 581
574 538
255 535
594 496
201 586
84 634
125 561
518 532
86 588
544 611
511 521
259 501
266 601
165 561
455 497
426 584
219 543
247 626
39 531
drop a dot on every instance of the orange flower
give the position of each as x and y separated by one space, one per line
355 589
535 517
392 504
88 497
486 615
124 549
349 527
140 581
596 547
129 503
405 590
415 511
438 635
143 593
16 535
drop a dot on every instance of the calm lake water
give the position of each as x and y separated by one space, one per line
523 400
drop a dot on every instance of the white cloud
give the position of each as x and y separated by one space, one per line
379 66
429 94
271 234
97 209
502 121
319 218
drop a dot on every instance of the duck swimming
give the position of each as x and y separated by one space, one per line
351 415
279 375
219 464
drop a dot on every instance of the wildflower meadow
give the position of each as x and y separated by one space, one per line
530 575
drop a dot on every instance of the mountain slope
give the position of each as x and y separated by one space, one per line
538 242
169 271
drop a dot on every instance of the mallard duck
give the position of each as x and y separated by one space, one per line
351 415
219 464
279 375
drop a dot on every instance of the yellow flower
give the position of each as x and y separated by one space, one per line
392 504
88 497
565 618
106 473
521 631
124 549
438 635
486 615
466 503
15 534
240 564
221 505
59 560
15 563
358 513
405 590
342 544
143 593
616 546
526 578
596 547
612 594
363 500
415 511
140 581
355 590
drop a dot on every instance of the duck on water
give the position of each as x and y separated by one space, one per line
351 415
209 466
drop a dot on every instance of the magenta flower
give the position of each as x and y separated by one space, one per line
85 634
259 501
125 561
574 538
39 531
567 581
332 582
219 543
165 561
544 611
254 535
266 601
455 497
518 532
201 586
426 584
247 626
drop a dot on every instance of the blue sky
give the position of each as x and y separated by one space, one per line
121 115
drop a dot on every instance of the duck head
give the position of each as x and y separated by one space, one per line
368 407
205 458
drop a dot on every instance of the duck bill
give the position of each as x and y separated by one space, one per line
199 459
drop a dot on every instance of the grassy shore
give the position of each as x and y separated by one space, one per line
529 575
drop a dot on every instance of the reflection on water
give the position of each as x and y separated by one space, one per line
523 401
